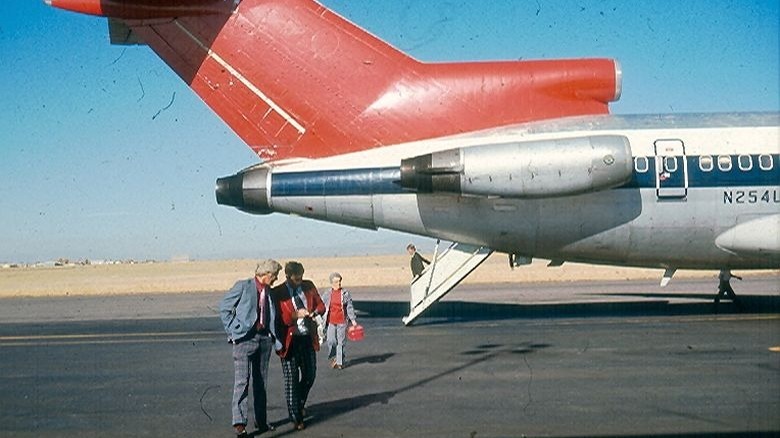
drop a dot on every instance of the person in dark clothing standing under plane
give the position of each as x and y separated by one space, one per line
724 287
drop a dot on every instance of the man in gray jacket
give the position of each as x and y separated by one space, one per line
248 318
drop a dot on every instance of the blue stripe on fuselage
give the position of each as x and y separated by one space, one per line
337 182
384 180
715 177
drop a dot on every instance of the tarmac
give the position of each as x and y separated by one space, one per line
506 360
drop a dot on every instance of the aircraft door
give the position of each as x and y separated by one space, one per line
671 165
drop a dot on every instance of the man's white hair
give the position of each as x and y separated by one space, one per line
267 266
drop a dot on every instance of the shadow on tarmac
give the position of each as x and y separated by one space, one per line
651 305
325 411
691 435
378 358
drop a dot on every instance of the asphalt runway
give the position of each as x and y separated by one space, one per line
594 359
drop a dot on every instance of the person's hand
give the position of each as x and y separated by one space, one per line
303 313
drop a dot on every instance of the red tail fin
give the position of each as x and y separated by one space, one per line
294 79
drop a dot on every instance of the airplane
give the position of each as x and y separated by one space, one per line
520 157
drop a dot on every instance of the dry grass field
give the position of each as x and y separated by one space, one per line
206 276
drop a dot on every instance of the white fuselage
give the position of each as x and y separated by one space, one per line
704 193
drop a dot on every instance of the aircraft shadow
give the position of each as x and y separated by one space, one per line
744 303
452 311
754 434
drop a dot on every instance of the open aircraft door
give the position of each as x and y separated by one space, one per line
671 176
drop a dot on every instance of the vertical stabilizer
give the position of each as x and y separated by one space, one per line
294 79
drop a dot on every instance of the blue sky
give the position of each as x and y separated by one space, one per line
105 153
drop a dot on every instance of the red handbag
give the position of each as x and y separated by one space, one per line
355 333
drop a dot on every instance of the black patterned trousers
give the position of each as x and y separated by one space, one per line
300 370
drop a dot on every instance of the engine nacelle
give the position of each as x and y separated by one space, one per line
247 190
534 169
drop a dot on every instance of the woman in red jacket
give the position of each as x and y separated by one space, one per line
297 302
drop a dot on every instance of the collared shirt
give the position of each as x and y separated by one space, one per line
297 295
299 302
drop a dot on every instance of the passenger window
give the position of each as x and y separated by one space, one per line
706 163
670 164
640 164
724 163
745 162
765 162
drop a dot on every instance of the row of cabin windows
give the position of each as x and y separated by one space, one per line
707 163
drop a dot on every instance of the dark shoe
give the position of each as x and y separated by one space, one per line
241 431
265 428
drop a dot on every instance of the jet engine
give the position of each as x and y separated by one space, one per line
530 169
247 190
533 169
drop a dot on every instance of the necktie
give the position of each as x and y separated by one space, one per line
298 302
295 294
261 308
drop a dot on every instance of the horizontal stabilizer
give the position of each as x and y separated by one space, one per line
121 34
146 9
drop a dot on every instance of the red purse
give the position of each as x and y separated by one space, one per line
355 333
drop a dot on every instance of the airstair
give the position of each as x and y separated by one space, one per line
442 275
